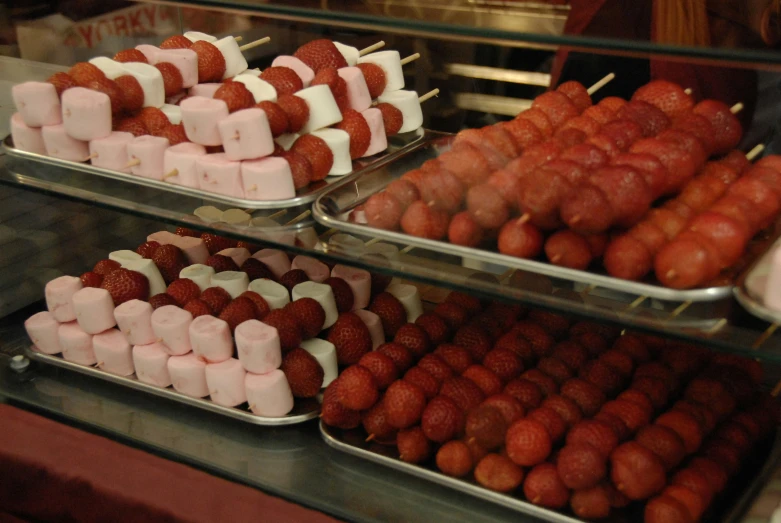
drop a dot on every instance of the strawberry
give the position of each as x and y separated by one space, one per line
736 434
85 72
435 366
172 78
251 247
587 396
487 426
704 416
351 338
358 389
695 482
354 124
593 432
170 261
288 327
125 285
463 230
404 191
147 249
153 119
591 503
425 222
683 424
633 415
221 263
110 89
310 315
528 442
636 471
525 391
292 278
402 357
216 243
564 407
435 327
489 324
318 54
413 445
238 311
61 82
541 341
130 55
652 388
713 471
555 368
603 376
551 420
542 380
726 128
197 307
518 345
277 118
106 266
342 293
176 42
543 487
423 379
132 125
375 423
391 312
161 300
235 95
463 392
442 420
577 94
317 152
634 347
498 473
454 459
284 79
296 110
453 314
375 78
216 298
330 76
414 338
300 168
475 340
333 413
666 509
664 442
256 269
581 465
571 353
383 211
392 118
662 372
175 134
382 368
91 279
211 63
485 379
510 408
183 291
404 404
261 306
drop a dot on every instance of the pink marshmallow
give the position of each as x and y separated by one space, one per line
188 375
94 309
86 114
38 103
42 330
359 280
218 174
204 90
373 323
76 344
111 152
268 179
316 270
172 325
301 69
151 364
181 159
113 352
186 60
134 319
150 52
194 249
211 339
163 237
358 96
26 138
379 141
246 135
148 151
258 346
59 297
59 144
269 394
200 117
276 261
238 254
226 382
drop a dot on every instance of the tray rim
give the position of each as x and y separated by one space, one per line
170 394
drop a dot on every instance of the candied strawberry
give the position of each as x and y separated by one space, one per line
485 379
375 423
292 278
636 471
634 347
458 358
211 63
619 361
667 96
414 338
542 380
603 376
288 327
463 392
596 433
161 300
666 509
176 42
343 294
713 471
571 353
106 266
489 324
351 338
487 426
277 118
577 94
555 368
504 363
170 260
528 442
317 152
61 82
696 482
542 342
319 54
552 421
125 285
304 374
423 221
442 420
436 328
235 95
382 368
404 404
423 379
183 291
333 413
518 345
354 124
637 396
685 426
85 72
453 314
310 315
216 298
296 110
197 308
592 503
454 459
392 118
565 407
664 442
391 312
498 473
587 396
238 311
435 366
581 465
692 501
653 388
615 423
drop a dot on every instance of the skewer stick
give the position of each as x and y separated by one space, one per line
428 95
776 390
371 437
171 174
718 326
735 109
410 58
256 43
371 48
688 91
299 217
238 38
406 249
635 304
600 84
680 308
277 214
133 163
250 407
371 242
765 335
90 157
756 151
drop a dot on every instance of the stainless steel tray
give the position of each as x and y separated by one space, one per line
333 206
396 145
751 284
303 410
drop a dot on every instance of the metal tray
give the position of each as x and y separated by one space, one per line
303 410
333 206
396 145
751 284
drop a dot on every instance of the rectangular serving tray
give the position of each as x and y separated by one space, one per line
304 410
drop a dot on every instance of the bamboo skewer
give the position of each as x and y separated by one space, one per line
256 43
371 48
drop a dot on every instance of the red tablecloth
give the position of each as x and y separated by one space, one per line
52 472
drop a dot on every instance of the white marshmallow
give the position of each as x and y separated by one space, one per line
351 54
195 36
325 354
151 81
173 113
261 90
388 250
408 103
409 296
323 110
234 282
276 295
287 140
124 256
253 72
322 294
339 143
152 273
390 62
235 63
200 274
109 67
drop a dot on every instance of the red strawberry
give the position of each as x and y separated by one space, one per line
334 413
161 300
475 340
91 279
304 374
85 72
261 306
235 95
615 423
544 487
318 54
154 120
354 124
525 391
310 316
581 465
683 424
288 328
110 89
602 375
130 55
528 442
632 414
498 473
62 81
375 423
176 42
504 363
375 78
221 263
383 211
413 445
564 407
392 118
695 482
216 298
317 152
391 312
343 293
555 368
588 397
172 78
571 354
666 509
488 382
542 342
552 421
636 471
463 230
424 222
175 134
329 76
300 168
510 408
593 432
170 261
296 110
197 307
183 291
542 380
453 314
106 266
402 357
423 379
125 285
435 327
382 368
577 94
132 125
454 459
489 324
238 311
147 249
277 118
518 345
414 338
351 338
284 79
664 442
487 426
435 366
463 392
442 420
211 63
404 404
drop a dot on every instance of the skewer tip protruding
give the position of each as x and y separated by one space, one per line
410 58
735 109
256 43
602 83
371 48
756 151
429 95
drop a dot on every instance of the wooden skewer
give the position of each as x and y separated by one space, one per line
238 38
765 335
256 43
428 95
251 407
133 163
600 84
371 48
371 242
680 308
688 91
756 151
735 109
299 217
173 173
635 304
90 157
776 390
277 214
410 58
406 249
371 437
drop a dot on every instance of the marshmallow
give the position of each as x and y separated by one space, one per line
269 394
148 151
379 141
315 269
387 250
218 174
151 81
286 140
261 90
358 96
124 256
161 237
390 63
258 346
150 52
59 144
246 135
188 375
185 60
113 352
172 324
76 344
208 213
86 114
38 103
323 110
308 238
173 113
409 296
200 274
234 282
26 138
111 152
149 269
276 261
339 143
322 294
359 280
253 72
194 249
325 354
235 217
301 69
238 254
109 67
181 159
151 364
226 382
195 36
772 296
94 309
276 295
42 330
211 339
201 117
206 90
267 179
134 319
351 54
345 242
59 297
235 63
373 323
408 103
